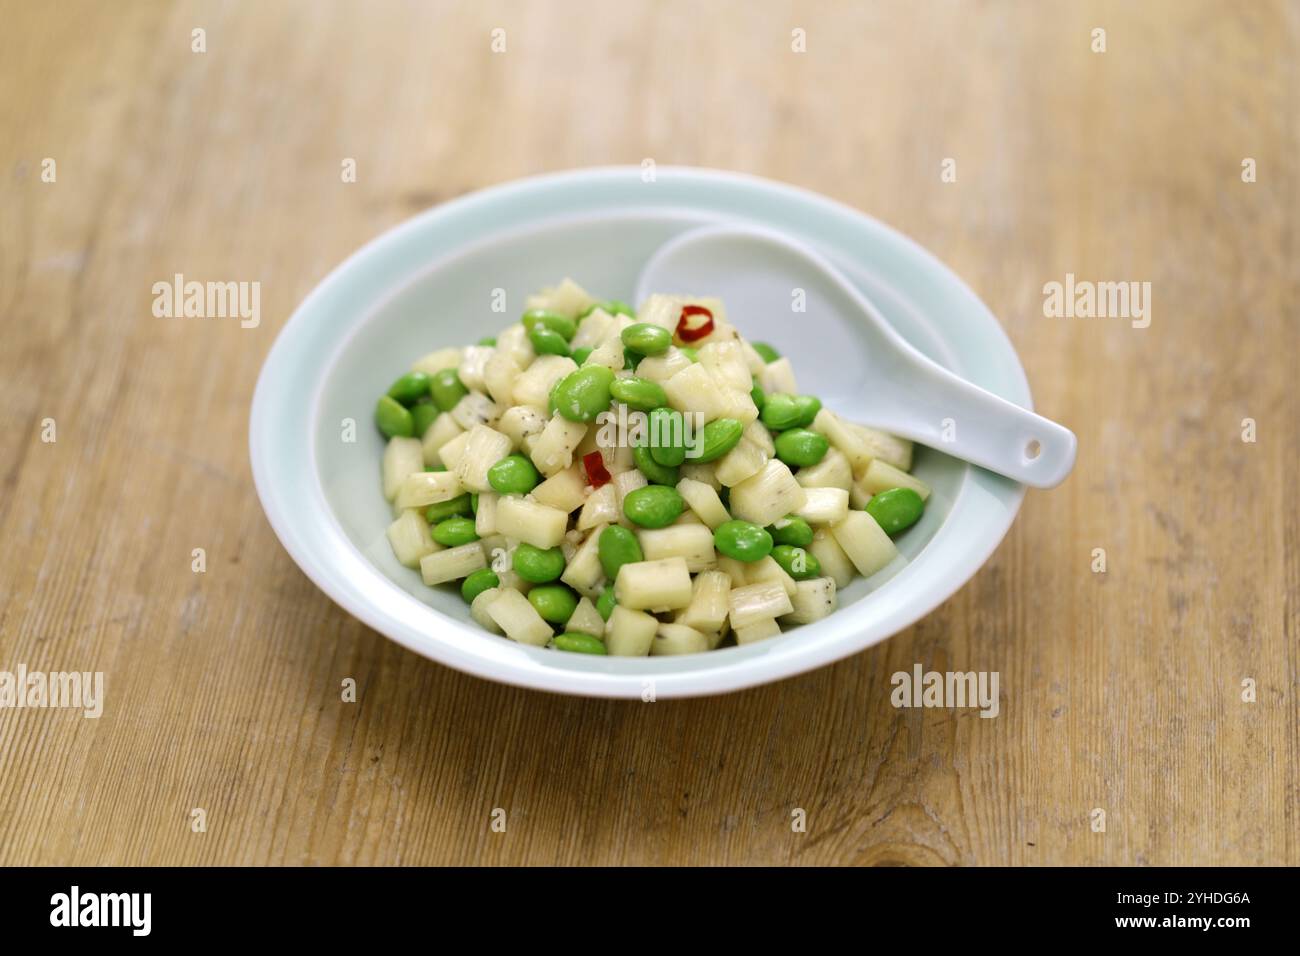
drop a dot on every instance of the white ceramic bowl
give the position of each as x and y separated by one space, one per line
431 282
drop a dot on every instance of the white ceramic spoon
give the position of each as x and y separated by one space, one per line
754 271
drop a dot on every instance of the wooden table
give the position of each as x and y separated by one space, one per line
1121 691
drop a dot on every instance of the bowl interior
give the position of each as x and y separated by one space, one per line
451 303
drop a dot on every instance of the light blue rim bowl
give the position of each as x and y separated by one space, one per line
287 476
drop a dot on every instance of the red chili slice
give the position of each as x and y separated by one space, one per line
597 473
686 332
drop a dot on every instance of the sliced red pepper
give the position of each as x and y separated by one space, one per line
597 473
688 333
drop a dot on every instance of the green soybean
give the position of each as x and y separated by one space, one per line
547 341
719 437
654 472
742 541
554 602
896 510
410 388
487 340
780 412
792 530
537 565
582 395
797 562
606 603
646 338
616 547
578 643
447 389
460 505
560 324
453 532
768 353
581 355
513 475
758 395
473 502
638 393
631 358
423 413
393 420
667 437
807 406
800 448
654 506
481 580
690 352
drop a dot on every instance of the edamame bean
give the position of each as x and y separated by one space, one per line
473 502
582 395
581 355
554 602
487 340
393 420
447 389
631 358
638 393
578 643
646 338
654 472
547 341
667 437
800 448
691 352
780 412
719 437
453 532
895 510
537 565
807 406
410 388
460 505
742 541
564 325
797 562
758 395
792 530
478 582
606 603
616 547
423 413
654 506
513 475
768 353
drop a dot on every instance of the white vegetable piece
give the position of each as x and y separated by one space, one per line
772 493
760 630
765 570
443 430
778 377
824 505
473 361
833 471
814 600
521 422
843 437
757 432
568 299
410 539
703 501
484 448
629 633
593 330
880 477
451 451
660 368
565 490
586 619
583 572
662 585
424 488
754 602
887 448
553 448
485 516
601 508
678 639
435 362
726 363
499 376
533 387
475 408
514 341
865 542
691 542
402 457
745 460
831 557
452 564
694 389
702 472
707 611
665 311
524 520
519 619
626 482
478 609
738 571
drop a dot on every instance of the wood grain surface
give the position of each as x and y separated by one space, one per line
1120 691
